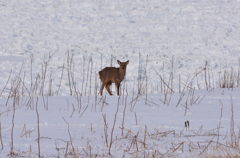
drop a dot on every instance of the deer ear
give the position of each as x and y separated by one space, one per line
118 62
127 62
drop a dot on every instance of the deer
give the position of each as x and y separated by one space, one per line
110 75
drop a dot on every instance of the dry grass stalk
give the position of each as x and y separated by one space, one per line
113 127
38 126
70 139
1 135
105 129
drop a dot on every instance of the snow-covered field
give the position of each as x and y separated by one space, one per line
180 53
135 126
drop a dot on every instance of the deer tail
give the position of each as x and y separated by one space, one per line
100 74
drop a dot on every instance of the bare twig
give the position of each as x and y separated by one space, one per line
113 127
105 129
38 125
70 137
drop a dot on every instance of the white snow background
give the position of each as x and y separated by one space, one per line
180 54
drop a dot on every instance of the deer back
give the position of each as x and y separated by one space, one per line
109 74
113 74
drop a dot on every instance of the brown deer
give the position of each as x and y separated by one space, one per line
110 75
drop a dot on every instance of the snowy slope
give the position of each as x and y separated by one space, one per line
157 127
50 55
102 32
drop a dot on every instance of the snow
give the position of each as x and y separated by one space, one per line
106 31
188 45
164 123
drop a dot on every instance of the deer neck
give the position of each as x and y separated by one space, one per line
122 73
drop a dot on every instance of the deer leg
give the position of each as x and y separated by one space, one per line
118 87
108 86
101 90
